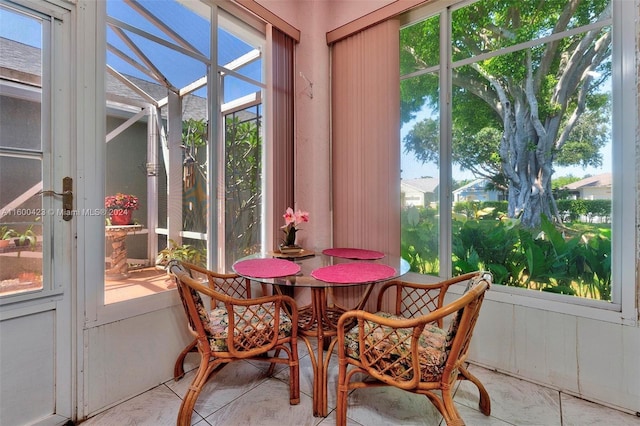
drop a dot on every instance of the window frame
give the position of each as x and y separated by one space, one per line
41 95
622 309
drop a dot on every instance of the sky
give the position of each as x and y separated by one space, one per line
18 27
180 69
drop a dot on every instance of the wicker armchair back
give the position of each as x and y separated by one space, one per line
408 347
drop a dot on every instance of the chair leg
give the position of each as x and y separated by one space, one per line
485 402
190 398
178 368
341 408
343 393
294 374
451 415
186 409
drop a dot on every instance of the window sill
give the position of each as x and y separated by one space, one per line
135 296
569 305
140 283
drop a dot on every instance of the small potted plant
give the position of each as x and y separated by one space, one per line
26 238
121 207
5 235
184 252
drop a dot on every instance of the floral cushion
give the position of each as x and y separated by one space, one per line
389 349
252 321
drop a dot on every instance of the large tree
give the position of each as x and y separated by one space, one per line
514 115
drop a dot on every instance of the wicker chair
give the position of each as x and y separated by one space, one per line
258 326
230 284
408 347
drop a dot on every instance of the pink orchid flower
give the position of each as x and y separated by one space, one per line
301 217
289 217
294 218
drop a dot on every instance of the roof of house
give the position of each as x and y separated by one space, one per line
422 184
597 181
22 63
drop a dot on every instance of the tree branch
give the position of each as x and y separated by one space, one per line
551 48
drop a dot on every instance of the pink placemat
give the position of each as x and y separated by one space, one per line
266 268
360 272
353 253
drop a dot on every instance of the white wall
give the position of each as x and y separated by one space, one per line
602 193
125 358
591 359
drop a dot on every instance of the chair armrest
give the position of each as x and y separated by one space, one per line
282 301
345 323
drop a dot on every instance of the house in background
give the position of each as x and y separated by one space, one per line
596 187
418 192
476 191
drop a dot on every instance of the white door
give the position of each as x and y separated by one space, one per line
36 332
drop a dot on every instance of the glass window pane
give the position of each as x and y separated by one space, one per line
159 83
20 123
243 182
20 226
21 94
21 152
419 47
531 143
420 182
487 26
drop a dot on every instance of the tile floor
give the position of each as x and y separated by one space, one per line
241 394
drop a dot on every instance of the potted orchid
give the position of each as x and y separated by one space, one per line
291 221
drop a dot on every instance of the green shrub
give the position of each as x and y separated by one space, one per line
572 209
574 261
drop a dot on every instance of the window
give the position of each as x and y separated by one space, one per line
22 150
184 96
518 121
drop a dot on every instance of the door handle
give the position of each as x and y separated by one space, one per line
67 197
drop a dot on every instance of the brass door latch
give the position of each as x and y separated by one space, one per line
67 197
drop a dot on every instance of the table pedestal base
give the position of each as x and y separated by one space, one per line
119 267
318 321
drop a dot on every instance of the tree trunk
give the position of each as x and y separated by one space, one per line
527 165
